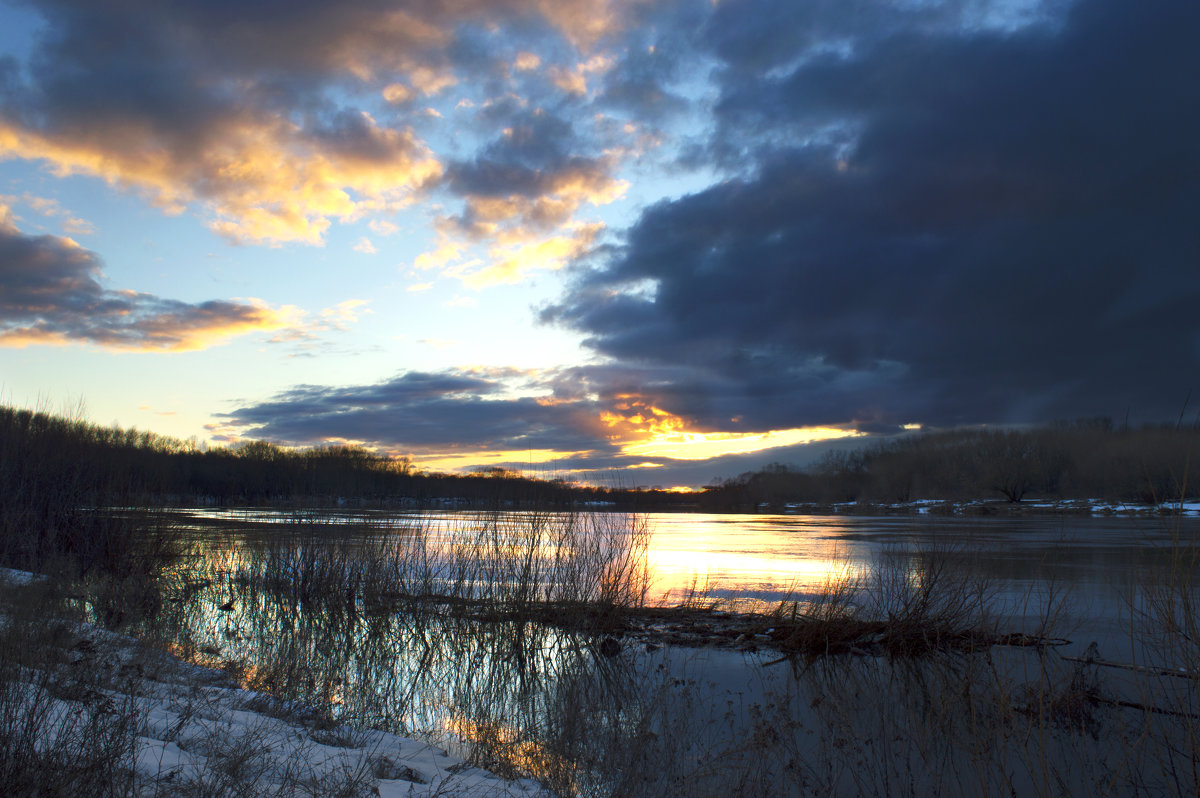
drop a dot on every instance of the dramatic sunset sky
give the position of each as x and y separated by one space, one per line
638 241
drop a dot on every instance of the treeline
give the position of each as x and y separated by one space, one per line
106 465
54 471
1089 459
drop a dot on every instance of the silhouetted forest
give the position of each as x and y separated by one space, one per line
55 471
1089 459
68 488
107 464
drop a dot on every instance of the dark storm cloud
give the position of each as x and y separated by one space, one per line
309 39
536 157
756 37
641 92
593 417
526 159
416 410
945 223
526 186
50 293
658 54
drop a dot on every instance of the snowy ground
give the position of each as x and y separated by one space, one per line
196 730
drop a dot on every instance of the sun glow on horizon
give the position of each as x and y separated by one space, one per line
706 445
463 462
643 430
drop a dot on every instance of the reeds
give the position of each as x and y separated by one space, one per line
569 569
909 604
1165 627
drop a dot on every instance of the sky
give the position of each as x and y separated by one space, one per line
628 242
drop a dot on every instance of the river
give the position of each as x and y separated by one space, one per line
537 699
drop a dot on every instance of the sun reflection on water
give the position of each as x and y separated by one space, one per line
747 561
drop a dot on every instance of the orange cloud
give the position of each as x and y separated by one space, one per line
430 81
512 264
198 327
524 233
221 135
642 430
187 329
442 460
574 80
585 21
526 62
397 93
703 446
446 253
262 178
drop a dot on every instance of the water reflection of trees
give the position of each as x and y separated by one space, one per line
514 695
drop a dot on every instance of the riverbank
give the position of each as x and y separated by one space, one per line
87 711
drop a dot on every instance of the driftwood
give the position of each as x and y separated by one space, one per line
1182 673
1175 713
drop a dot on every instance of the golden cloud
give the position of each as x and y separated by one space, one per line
512 264
397 93
264 179
524 233
53 297
446 253
187 329
430 81
260 171
642 430
190 330
585 22
527 61
575 80
448 460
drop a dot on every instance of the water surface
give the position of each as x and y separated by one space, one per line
542 700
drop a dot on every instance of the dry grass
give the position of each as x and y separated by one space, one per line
1166 623
560 568
62 731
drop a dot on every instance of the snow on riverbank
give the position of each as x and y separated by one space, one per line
9 576
196 730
